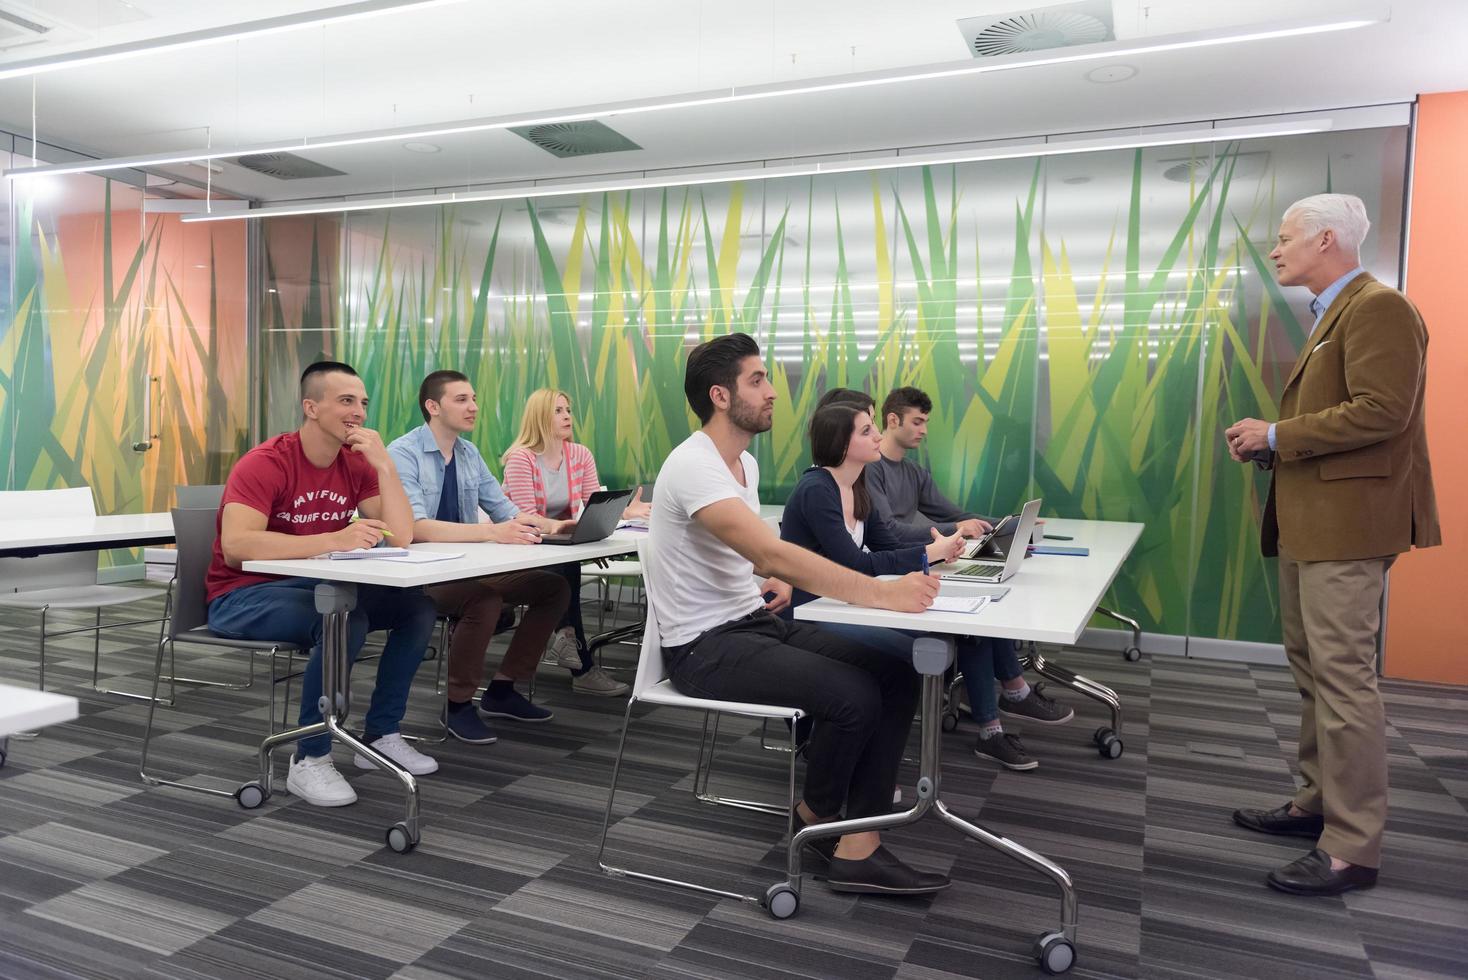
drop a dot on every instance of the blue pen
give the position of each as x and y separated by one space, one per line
925 561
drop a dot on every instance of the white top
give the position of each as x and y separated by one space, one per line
104 531
22 709
697 582
1050 599
479 558
859 534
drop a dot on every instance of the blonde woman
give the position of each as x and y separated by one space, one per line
548 474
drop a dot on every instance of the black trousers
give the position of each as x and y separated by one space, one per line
862 701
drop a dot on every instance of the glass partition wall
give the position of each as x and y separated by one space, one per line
1087 326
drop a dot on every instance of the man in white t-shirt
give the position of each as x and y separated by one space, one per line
720 636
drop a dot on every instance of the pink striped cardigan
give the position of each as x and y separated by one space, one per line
526 490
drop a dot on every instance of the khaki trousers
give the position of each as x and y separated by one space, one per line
1331 612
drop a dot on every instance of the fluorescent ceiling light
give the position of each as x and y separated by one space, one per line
1010 151
948 69
213 35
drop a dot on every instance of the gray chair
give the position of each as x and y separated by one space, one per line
63 581
208 496
194 533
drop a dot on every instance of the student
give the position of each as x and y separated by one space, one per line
295 496
546 473
905 491
447 483
722 640
831 513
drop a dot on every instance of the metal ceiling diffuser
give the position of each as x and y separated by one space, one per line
1017 32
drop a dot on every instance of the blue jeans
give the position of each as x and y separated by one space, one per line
285 610
980 659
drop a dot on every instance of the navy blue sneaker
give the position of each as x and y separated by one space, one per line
464 724
512 705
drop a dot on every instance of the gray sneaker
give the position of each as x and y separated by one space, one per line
1037 707
561 650
598 682
1005 749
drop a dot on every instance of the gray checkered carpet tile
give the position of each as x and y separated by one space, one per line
102 876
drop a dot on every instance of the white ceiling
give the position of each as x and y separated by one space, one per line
478 58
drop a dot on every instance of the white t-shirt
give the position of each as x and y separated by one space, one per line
859 534
697 582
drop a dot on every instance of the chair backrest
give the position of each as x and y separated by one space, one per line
48 571
197 498
194 533
651 670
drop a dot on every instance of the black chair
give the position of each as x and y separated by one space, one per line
188 617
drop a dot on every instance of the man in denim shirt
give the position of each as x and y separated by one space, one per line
447 483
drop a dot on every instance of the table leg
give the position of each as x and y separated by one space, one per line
931 657
1108 740
335 602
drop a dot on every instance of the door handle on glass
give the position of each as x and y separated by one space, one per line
147 443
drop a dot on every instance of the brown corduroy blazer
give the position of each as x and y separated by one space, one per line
1352 479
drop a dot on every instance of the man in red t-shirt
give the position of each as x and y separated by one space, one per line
294 496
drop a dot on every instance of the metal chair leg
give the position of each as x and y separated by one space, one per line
1133 652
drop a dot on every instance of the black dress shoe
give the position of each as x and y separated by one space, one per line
815 855
1280 821
882 874
1311 875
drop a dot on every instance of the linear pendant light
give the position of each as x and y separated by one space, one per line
1361 17
1009 151
212 35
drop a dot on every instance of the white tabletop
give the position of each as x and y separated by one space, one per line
23 709
1050 600
104 531
479 559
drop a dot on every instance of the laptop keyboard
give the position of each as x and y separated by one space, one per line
978 570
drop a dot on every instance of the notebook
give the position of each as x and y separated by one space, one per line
959 603
368 553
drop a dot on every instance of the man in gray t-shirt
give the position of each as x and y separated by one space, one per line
904 490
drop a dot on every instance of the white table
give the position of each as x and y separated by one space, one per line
45 536
22 709
1050 600
335 598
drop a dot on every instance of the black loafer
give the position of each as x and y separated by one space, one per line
816 855
1311 875
1279 821
882 874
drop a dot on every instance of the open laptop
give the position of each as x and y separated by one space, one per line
598 520
994 572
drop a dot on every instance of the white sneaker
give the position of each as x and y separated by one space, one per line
316 781
598 682
396 748
561 650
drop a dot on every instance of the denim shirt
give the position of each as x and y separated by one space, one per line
420 468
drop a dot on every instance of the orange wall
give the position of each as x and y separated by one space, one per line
1427 614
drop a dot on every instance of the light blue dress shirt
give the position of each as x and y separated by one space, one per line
421 467
1318 306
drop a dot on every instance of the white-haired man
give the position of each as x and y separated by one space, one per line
1351 489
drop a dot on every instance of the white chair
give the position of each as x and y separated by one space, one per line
65 580
653 687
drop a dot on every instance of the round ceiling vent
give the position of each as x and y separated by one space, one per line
1187 171
1039 31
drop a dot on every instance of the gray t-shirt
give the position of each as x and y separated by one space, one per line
557 488
906 493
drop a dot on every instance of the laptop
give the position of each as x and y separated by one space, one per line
994 572
598 520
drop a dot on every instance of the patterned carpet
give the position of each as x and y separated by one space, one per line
101 876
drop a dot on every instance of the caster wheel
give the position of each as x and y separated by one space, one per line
781 901
950 722
250 795
400 839
1132 654
1108 744
1055 953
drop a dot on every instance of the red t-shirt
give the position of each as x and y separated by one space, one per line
276 479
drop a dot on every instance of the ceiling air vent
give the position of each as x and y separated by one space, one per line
575 139
286 166
1186 170
1059 26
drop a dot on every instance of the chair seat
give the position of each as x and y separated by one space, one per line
75 597
203 636
664 693
614 569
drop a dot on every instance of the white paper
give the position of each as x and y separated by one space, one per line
959 604
423 557
367 553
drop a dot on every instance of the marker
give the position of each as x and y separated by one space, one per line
385 531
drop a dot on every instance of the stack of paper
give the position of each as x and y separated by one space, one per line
959 603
